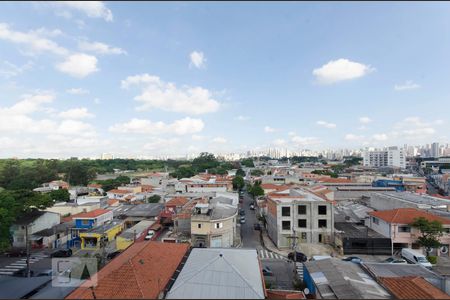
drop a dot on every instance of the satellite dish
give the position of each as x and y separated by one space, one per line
428 249
444 249
306 291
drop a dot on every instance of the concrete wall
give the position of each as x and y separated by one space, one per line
72 209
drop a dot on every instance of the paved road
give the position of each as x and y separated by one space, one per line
250 237
283 273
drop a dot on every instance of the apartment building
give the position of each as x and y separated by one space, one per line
213 225
393 157
299 213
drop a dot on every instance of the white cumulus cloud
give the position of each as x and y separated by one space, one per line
380 137
99 48
353 137
408 85
269 129
179 127
340 70
78 65
326 124
305 141
77 91
93 9
168 97
198 59
365 120
76 113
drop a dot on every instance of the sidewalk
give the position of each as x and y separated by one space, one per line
308 249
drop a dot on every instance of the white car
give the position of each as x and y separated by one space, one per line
150 235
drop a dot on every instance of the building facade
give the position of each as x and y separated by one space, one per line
300 214
392 157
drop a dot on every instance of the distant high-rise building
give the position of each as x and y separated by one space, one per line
435 150
107 156
391 157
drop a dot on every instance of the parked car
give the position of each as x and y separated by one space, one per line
61 253
319 257
252 207
48 272
242 220
354 259
257 226
113 254
242 212
23 273
267 271
393 260
16 252
415 257
150 235
300 257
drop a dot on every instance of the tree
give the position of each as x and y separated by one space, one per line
240 172
238 183
256 190
154 199
256 172
430 231
248 162
60 195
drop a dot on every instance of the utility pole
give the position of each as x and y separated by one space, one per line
28 251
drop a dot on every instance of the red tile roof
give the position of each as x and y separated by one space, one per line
112 201
280 294
406 215
140 272
177 201
116 191
94 185
91 214
412 287
334 180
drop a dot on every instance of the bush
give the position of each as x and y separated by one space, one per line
432 259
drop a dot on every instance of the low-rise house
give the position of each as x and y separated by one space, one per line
119 194
383 270
396 225
336 279
205 187
219 274
411 287
130 235
213 225
52 186
300 213
30 223
53 237
102 201
93 218
68 208
97 237
133 214
143 271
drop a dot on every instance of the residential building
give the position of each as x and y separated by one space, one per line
133 214
393 157
411 287
383 270
97 237
52 237
299 213
220 274
93 218
130 235
143 271
213 225
396 225
67 208
119 194
31 223
336 279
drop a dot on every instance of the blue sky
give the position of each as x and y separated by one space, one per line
147 78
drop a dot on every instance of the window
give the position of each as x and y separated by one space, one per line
285 211
302 223
375 220
404 229
304 235
85 222
199 226
322 223
322 209
301 209
218 225
286 225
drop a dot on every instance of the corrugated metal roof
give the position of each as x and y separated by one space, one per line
219 274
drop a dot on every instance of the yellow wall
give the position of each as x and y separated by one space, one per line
123 243
111 233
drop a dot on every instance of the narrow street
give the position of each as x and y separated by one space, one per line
250 236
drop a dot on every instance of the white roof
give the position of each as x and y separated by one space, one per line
217 273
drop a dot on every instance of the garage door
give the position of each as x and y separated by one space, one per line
216 242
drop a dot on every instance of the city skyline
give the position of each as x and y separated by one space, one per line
168 79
